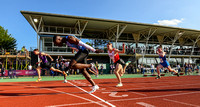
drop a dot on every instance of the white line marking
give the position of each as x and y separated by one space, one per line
93 95
181 102
113 94
145 104
157 87
69 94
139 93
73 96
154 96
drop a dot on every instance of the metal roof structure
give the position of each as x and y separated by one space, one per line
112 30
115 30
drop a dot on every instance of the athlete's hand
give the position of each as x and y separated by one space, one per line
37 62
99 51
51 59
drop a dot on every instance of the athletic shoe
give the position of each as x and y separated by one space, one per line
119 85
39 79
93 67
158 77
128 62
65 81
177 74
94 88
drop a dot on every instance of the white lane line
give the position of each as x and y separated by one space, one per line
139 93
157 87
73 96
145 104
93 95
181 102
169 95
61 92
73 104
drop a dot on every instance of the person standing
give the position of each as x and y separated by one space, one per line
2 72
186 68
179 68
101 69
152 68
30 67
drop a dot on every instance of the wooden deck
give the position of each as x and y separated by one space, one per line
14 56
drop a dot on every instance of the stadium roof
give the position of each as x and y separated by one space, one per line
97 28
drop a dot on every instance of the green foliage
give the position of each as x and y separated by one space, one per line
99 42
6 40
89 43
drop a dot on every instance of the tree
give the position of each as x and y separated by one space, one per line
99 42
7 42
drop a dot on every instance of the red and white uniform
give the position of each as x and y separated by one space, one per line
113 56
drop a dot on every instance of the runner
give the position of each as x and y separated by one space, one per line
163 62
45 64
80 59
119 69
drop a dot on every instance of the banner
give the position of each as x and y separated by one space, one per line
20 73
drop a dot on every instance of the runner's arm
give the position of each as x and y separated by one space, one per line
76 41
123 50
47 55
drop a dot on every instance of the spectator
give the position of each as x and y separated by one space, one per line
179 68
152 68
30 67
186 68
2 72
142 69
111 68
197 68
190 68
130 69
10 72
23 50
101 69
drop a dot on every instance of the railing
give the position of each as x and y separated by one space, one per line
129 50
14 52
174 51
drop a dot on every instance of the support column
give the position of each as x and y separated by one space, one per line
151 32
80 26
136 37
6 61
194 43
160 39
120 29
177 36
37 29
181 42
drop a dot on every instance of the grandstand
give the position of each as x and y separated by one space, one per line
182 45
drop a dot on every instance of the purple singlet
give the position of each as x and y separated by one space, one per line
43 58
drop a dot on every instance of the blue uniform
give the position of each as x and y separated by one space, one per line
74 45
163 61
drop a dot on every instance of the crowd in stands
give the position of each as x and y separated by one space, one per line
152 50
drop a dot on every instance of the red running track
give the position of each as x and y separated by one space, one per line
174 91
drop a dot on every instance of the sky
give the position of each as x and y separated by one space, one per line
179 13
